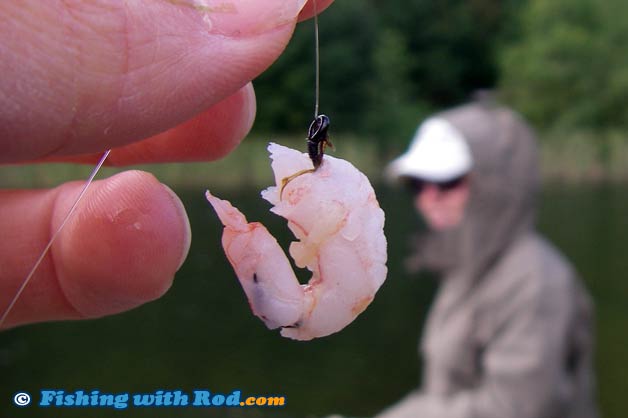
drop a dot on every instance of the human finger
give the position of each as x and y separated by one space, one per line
312 6
120 249
206 137
80 77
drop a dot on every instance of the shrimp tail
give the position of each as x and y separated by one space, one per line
266 276
227 214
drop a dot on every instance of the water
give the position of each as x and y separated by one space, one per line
201 335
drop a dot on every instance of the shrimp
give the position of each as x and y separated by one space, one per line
335 216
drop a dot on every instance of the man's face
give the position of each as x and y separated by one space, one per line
442 204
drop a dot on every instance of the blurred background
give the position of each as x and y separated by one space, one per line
384 67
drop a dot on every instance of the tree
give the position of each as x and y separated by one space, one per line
451 44
286 91
567 69
384 65
393 113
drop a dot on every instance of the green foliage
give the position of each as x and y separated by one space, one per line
384 66
391 116
286 91
451 44
567 70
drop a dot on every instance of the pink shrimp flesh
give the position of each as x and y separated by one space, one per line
339 226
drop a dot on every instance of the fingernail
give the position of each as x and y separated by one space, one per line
241 18
251 109
183 216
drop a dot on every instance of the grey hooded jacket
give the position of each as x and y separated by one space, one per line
510 332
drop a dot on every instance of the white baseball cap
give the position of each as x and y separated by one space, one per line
438 152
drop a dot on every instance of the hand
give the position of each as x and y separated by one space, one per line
157 81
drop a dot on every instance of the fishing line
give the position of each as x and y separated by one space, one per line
317 62
52 239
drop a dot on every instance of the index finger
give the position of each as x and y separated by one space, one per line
81 77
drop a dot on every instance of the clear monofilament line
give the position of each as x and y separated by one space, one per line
31 273
317 62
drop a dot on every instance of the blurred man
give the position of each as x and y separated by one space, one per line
510 332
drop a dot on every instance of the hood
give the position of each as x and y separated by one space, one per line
504 182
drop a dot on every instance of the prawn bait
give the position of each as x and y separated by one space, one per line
339 226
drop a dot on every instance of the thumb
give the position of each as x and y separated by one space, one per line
80 76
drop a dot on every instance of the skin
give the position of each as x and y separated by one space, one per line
442 210
157 81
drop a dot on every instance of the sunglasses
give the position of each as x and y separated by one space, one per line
416 185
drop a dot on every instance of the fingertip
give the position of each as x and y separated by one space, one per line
232 120
124 247
187 229
311 8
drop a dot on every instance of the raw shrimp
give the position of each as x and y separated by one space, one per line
334 214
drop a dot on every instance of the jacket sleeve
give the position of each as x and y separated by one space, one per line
523 364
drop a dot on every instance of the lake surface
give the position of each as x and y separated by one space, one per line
202 335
